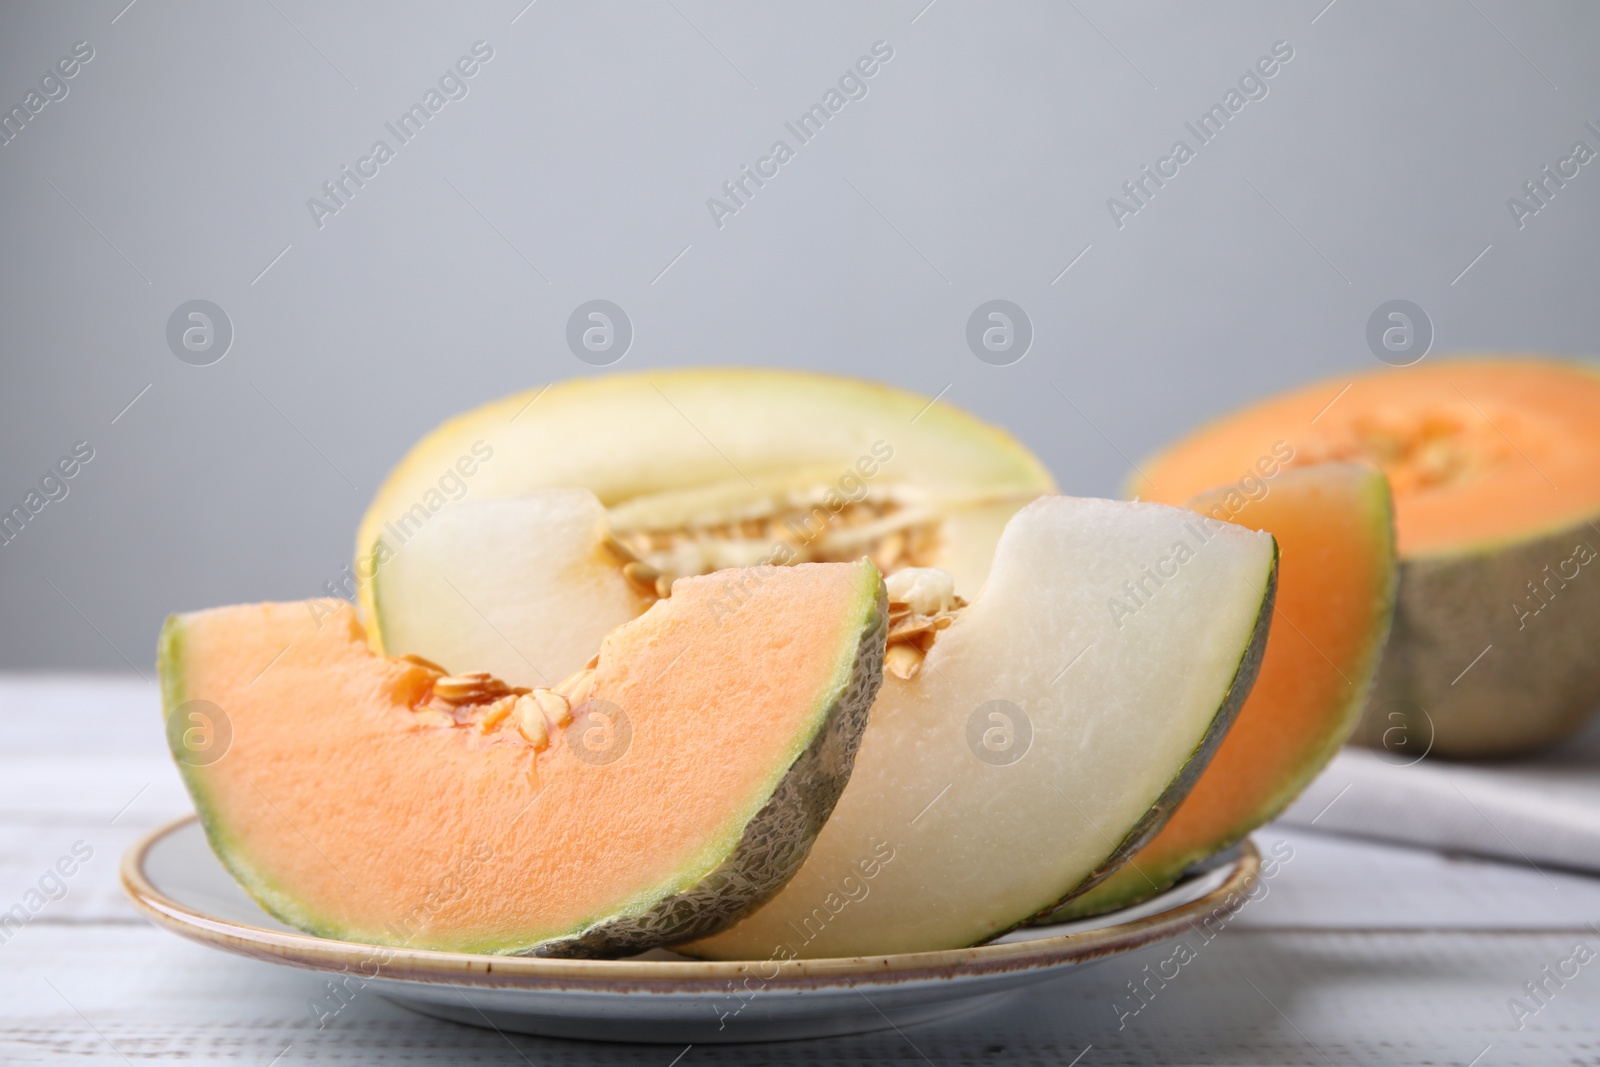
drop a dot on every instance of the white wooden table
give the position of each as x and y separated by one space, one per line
1358 954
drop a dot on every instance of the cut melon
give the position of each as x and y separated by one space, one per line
1057 721
525 588
376 800
701 470
1495 468
1334 526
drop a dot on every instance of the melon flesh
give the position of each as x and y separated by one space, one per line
706 469
348 809
1495 469
939 841
522 588
1336 573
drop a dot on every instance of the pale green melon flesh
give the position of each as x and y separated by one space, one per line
522 588
933 847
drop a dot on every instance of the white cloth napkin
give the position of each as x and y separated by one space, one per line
1543 810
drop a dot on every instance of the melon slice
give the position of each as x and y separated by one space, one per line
524 589
701 470
1495 468
1334 526
376 800
1055 724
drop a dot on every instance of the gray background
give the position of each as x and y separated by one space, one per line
578 167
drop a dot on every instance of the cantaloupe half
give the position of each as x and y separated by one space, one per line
700 470
1336 576
1495 468
1053 728
376 800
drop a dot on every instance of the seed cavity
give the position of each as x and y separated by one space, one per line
492 709
902 538
1443 448
895 535
922 603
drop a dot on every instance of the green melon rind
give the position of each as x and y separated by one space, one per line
772 844
742 865
1538 682
1130 885
1244 677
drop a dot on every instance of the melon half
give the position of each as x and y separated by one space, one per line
1495 469
1052 729
658 796
670 474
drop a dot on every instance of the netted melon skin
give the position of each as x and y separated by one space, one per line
1538 678
774 844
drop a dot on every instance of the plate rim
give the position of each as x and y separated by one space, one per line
311 952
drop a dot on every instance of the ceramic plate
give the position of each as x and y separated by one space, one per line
172 877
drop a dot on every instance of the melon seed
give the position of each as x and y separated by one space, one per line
641 574
903 661
623 554
553 707
530 721
577 688
426 663
496 713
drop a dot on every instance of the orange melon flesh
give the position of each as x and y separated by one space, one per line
346 814
1495 468
1336 580
1478 452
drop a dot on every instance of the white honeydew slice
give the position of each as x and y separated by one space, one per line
523 588
944 837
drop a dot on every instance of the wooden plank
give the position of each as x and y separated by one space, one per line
65 873
135 790
84 749
82 713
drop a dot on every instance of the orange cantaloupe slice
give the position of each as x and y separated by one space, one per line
689 786
1336 578
1495 467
